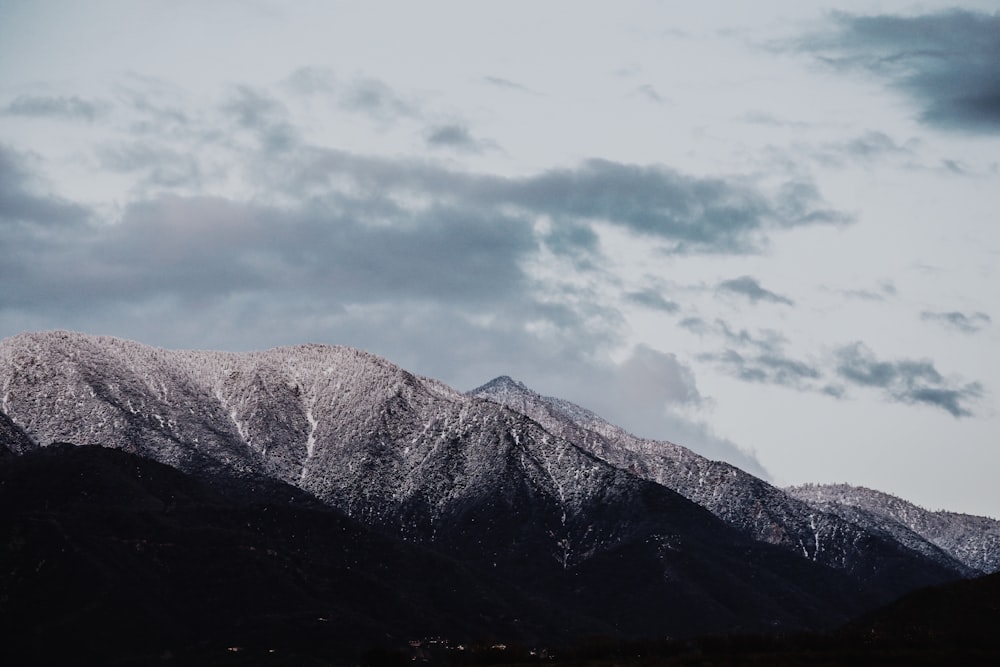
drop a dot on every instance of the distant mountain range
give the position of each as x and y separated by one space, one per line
494 513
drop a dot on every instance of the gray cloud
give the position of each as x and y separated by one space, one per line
763 359
375 99
885 289
22 208
906 381
653 299
770 120
158 166
689 215
946 62
362 95
456 137
970 323
748 287
765 368
500 82
696 325
649 93
39 231
71 107
265 117
863 149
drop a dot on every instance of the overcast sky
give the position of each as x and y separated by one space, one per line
767 230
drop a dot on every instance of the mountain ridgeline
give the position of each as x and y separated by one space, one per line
553 521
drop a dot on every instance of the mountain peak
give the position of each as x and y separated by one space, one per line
501 385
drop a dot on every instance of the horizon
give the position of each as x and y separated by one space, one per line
765 233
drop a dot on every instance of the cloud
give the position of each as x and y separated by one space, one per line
362 95
23 209
863 149
653 299
945 62
456 137
695 325
770 120
905 381
765 368
500 82
970 323
748 287
689 215
650 379
885 290
44 106
763 359
158 166
376 99
648 92
264 116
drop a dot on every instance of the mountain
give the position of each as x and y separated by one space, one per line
973 540
545 507
899 559
961 614
109 555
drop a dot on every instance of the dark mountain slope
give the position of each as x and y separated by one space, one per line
962 613
107 555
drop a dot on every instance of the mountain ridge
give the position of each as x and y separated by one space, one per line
413 458
748 503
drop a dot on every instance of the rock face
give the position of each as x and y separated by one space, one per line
13 440
567 507
973 540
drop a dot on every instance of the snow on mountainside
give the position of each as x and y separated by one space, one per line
974 540
566 504
748 503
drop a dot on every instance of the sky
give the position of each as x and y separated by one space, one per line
766 231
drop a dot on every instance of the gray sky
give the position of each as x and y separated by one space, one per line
763 230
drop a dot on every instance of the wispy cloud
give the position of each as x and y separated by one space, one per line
456 137
654 300
970 323
748 287
40 106
758 358
906 380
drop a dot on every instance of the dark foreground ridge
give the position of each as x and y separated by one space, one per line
111 558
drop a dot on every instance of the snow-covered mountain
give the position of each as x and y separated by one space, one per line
974 540
749 504
567 505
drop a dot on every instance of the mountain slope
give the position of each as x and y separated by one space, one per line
409 456
747 503
974 540
108 554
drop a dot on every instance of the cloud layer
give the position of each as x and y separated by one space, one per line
945 62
